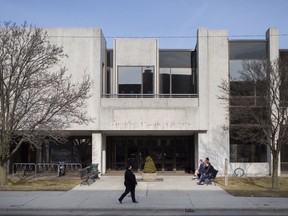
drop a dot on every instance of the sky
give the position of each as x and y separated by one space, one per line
174 22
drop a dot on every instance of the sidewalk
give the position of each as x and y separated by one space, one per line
169 193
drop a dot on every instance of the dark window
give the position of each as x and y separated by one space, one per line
147 78
175 59
181 81
110 58
135 80
247 49
109 80
165 80
283 63
177 72
108 74
244 96
177 81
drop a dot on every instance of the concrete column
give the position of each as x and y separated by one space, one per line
203 76
97 150
273 43
114 71
103 168
273 55
213 69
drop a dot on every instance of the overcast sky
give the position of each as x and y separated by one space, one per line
175 22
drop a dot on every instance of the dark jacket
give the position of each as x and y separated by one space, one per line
130 179
211 171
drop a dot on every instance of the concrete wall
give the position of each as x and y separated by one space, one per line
86 54
149 114
250 169
135 52
213 61
157 114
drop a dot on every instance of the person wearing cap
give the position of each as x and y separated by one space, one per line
130 184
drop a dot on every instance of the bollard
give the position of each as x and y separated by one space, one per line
226 172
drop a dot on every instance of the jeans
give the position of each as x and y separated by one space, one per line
205 176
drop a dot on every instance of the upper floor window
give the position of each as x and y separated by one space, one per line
247 49
176 81
135 80
175 77
177 72
246 94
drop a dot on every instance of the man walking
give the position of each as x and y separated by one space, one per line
130 184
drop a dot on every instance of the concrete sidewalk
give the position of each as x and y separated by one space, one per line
169 193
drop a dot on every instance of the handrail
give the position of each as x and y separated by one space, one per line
149 95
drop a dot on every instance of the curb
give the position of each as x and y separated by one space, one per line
184 210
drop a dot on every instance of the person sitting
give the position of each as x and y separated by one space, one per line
209 174
200 171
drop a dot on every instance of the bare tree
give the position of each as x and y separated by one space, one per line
258 106
38 98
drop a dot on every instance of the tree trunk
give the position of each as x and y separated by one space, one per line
275 170
3 174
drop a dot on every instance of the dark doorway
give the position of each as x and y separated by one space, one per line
170 153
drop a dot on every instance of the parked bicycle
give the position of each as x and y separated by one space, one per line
238 172
61 168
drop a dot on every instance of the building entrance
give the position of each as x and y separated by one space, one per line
169 153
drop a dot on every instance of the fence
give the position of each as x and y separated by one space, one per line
36 168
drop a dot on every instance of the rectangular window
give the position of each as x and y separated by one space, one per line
109 81
245 145
176 81
181 80
177 72
176 59
135 80
147 80
165 80
129 80
247 49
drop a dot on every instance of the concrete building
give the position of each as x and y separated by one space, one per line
162 103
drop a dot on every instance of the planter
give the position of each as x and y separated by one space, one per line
149 176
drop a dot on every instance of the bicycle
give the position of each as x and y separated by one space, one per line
238 172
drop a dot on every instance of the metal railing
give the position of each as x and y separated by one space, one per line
149 95
37 168
24 168
47 167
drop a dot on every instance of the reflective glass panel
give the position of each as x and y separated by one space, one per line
148 75
247 49
129 80
236 66
164 80
181 80
175 59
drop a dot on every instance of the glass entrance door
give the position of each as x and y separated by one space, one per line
143 152
132 152
156 153
169 153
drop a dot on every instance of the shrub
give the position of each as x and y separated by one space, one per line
149 166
